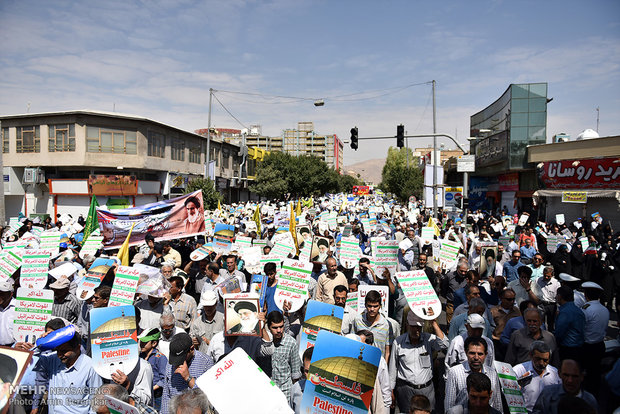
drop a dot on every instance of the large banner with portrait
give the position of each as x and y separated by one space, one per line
165 220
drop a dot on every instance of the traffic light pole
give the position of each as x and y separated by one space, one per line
434 136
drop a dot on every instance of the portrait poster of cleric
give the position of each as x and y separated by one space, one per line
165 220
241 316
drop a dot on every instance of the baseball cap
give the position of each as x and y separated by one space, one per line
60 283
475 321
414 320
147 335
180 345
208 298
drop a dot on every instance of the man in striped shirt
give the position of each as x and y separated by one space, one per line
66 305
285 362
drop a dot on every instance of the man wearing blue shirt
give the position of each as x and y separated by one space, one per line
527 252
510 268
69 378
569 325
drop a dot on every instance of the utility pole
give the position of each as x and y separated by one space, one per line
207 161
407 149
434 154
598 113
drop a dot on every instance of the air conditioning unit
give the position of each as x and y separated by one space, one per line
30 176
41 176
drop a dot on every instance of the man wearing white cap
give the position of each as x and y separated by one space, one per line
208 323
66 305
7 312
456 354
597 319
573 283
411 365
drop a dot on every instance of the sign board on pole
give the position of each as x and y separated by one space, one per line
453 197
466 163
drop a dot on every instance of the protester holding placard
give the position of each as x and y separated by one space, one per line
328 281
372 320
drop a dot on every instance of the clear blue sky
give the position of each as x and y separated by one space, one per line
158 59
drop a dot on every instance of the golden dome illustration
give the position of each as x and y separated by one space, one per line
117 324
329 322
348 370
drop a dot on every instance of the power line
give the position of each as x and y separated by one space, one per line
230 113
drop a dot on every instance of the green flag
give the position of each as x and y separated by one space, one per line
92 223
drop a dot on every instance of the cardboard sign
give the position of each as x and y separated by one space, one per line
293 283
201 253
238 371
350 252
385 253
283 245
352 300
118 407
320 248
427 234
124 287
584 245
114 340
448 253
342 376
304 253
559 218
32 311
50 241
319 316
91 246
241 315
35 265
21 361
9 263
92 279
510 387
488 259
243 241
552 243
420 294
223 237
363 290
523 219
504 240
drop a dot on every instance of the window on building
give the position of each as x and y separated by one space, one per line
225 158
28 139
235 164
5 140
61 138
194 153
156 144
111 140
178 149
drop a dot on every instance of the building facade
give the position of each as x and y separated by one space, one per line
302 141
49 158
503 131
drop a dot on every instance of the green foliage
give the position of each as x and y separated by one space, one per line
210 196
396 178
346 183
300 176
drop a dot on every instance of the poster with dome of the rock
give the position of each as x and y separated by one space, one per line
319 316
342 376
114 340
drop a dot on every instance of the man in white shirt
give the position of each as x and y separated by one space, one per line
536 374
545 288
7 312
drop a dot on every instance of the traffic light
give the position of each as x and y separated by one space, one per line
465 203
400 136
354 138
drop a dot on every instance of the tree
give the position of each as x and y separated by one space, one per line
346 183
396 178
210 196
281 173
269 183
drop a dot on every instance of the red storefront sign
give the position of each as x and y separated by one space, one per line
592 173
508 182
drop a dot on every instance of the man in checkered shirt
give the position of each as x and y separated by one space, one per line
285 361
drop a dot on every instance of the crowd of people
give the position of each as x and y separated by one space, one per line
509 297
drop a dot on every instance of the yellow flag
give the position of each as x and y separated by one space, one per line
431 223
256 218
123 253
298 208
292 225
219 208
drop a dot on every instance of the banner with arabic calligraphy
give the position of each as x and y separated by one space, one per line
342 376
114 340
591 174
574 197
32 311
237 371
319 316
124 287
9 263
510 387
293 282
420 294
165 220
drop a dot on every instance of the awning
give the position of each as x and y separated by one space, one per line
494 195
590 193
524 194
